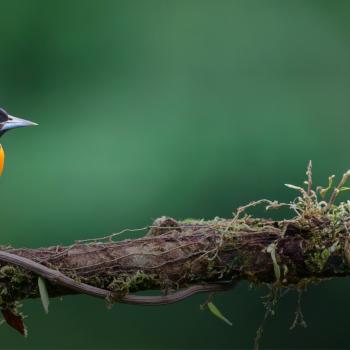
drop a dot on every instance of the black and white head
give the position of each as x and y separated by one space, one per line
8 122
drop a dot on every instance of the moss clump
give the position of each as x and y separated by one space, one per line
318 260
124 283
15 284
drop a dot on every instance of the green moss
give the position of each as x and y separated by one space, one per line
318 260
15 284
124 283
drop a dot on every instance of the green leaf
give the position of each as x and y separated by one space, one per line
216 312
44 296
272 250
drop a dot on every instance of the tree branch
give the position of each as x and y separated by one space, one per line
185 257
182 258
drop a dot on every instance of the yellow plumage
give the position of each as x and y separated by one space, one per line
2 159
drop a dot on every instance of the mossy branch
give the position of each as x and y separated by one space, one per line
181 255
181 258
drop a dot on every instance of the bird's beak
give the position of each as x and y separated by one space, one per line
14 122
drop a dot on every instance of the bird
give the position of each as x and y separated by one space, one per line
8 122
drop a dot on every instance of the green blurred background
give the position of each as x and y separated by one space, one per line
183 108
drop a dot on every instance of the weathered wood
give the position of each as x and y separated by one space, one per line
176 255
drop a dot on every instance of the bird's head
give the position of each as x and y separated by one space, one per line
8 122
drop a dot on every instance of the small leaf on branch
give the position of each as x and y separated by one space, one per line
14 320
216 312
272 250
44 296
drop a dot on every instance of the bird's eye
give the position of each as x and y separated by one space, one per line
3 115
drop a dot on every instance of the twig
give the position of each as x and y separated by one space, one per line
309 178
57 277
338 189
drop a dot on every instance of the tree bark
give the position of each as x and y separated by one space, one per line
182 258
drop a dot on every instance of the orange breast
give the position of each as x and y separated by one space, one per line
2 159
